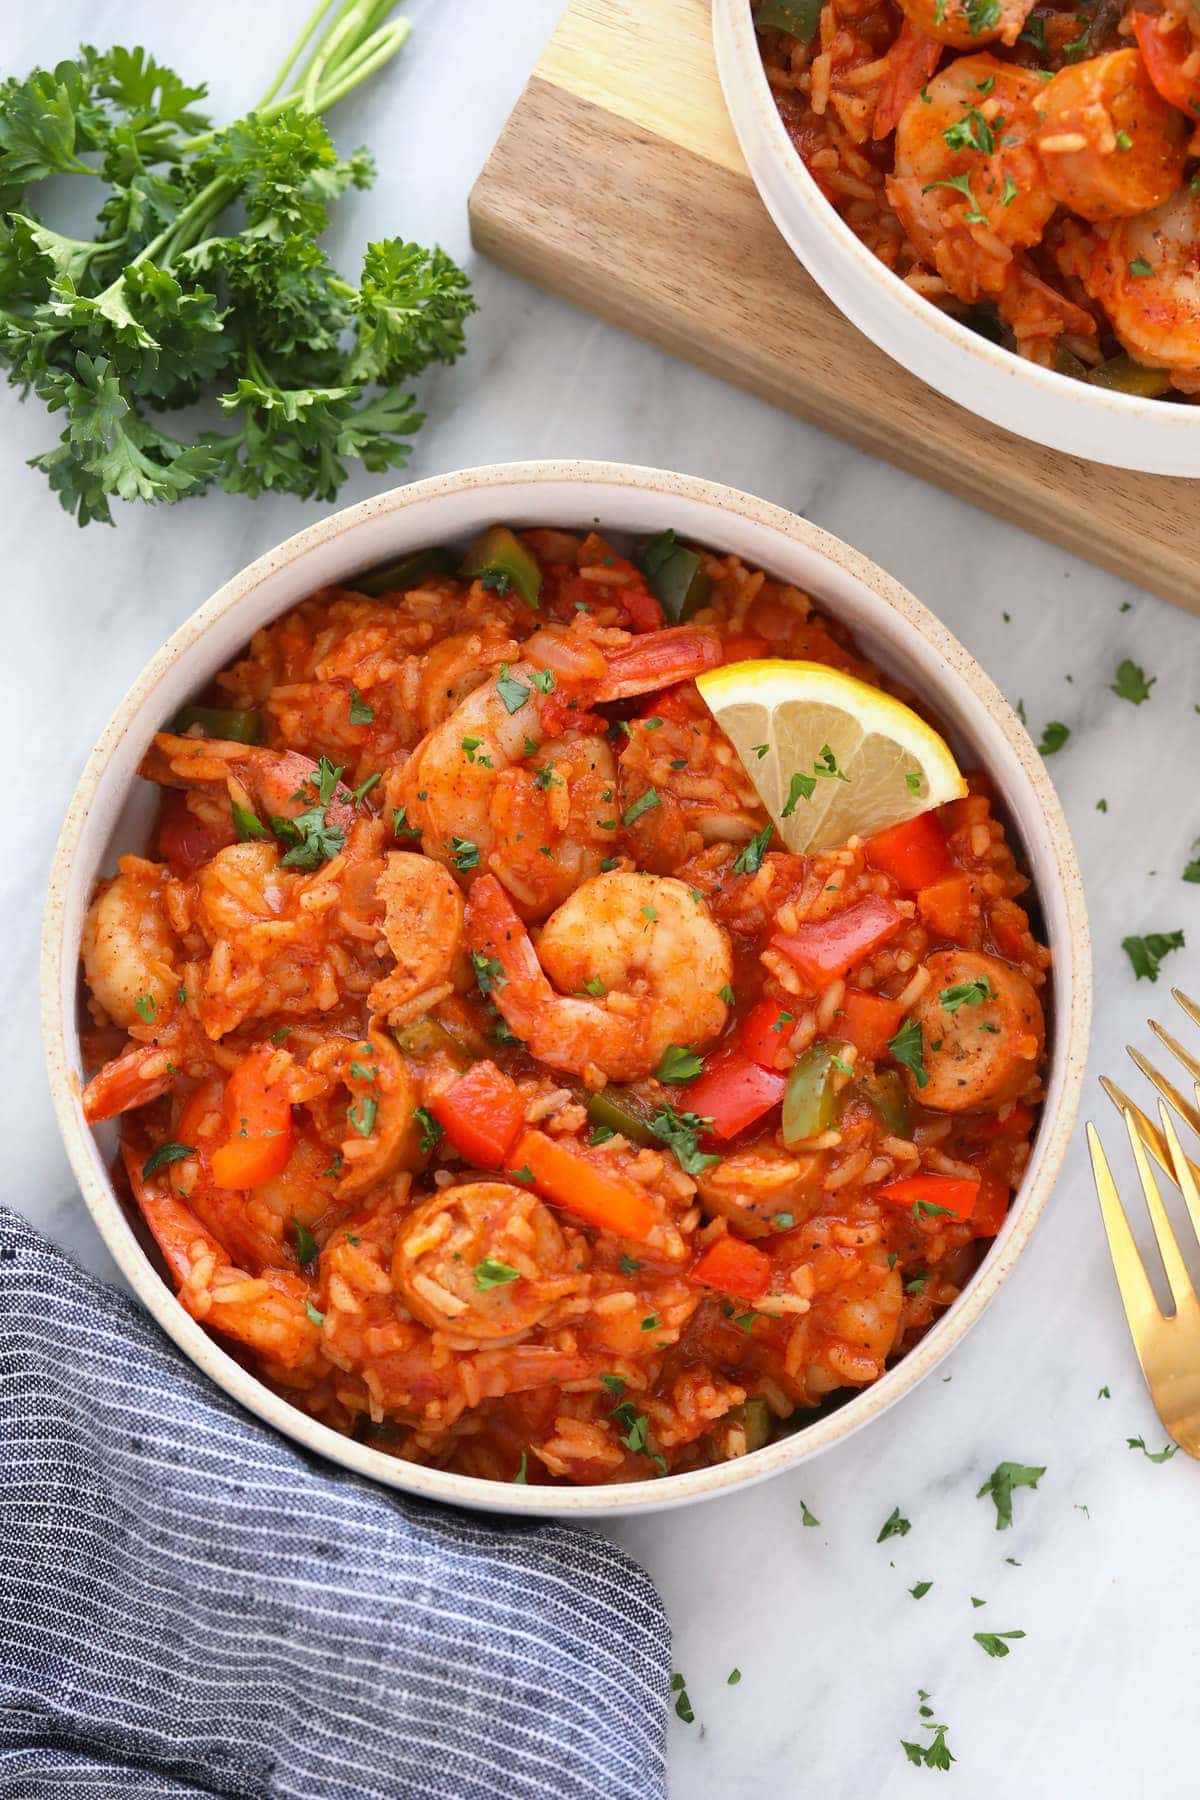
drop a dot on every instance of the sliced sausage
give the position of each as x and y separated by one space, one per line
982 1029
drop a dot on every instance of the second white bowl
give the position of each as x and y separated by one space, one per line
1155 436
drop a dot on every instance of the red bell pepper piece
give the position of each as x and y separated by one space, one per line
481 1115
913 854
868 1021
734 1267
823 949
573 1182
991 1208
733 1092
764 1032
258 1117
951 1193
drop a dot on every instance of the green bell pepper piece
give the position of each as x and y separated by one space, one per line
1067 363
1124 376
616 1109
393 578
232 723
889 1096
676 577
799 18
808 1101
755 1419
499 559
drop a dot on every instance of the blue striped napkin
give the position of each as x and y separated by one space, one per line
190 1605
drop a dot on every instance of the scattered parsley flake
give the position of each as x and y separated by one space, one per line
965 993
362 1113
1131 683
318 1318
643 804
431 1132
993 1642
920 1590
464 854
360 712
165 1155
748 860
680 1132
683 1706
733 1677
1054 737
802 787
806 1517
1146 953
512 693
521 1478
492 1274
1000 1484
1154 1456
678 1064
894 1526
306 1244
908 1049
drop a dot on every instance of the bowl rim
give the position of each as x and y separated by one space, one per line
735 17
592 1501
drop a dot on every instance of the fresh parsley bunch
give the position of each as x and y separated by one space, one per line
206 276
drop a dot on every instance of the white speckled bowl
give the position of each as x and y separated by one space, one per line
1154 436
111 811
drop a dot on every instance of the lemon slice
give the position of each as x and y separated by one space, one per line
830 755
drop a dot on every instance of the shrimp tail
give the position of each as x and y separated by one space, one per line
497 935
657 659
140 1075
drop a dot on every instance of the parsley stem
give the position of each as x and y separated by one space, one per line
293 55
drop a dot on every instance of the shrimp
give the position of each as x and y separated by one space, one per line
971 203
1111 147
519 779
969 24
485 1262
983 1051
130 954
423 923
270 1313
276 783
1168 38
375 1133
1145 273
856 1304
132 963
645 947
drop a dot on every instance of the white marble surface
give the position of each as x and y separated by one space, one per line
1099 1698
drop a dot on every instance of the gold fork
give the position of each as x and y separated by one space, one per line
1168 1347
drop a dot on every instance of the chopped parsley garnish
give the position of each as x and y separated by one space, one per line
1104 1394
1124 141
993 1642
489 973
643 804
400 824
894 1526
524 1173
920 1589
1154 1456
600 1134
965 993
912 781
1054 737
464 854
431 1131
1146 953
678 1064
360 793
629 1265
982 15
1131 683
146 1006
277 1037
1000 1484
360 712
543 680
760 750
595 987
733 1677
783 1221
976 1601
312 840
748 860
1191 870
492 1274
544 777
908 1049
961 185
683 1706
513 693
521 1478
651 1322
726 994
614 1383
806 1517
802 787
318 1318
1140 267
165 1154
362 1113
496 581
972 132
306 1244
680 1132
917 1283
247 823
928 1209
936 1754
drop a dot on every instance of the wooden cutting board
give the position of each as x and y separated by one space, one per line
619 184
